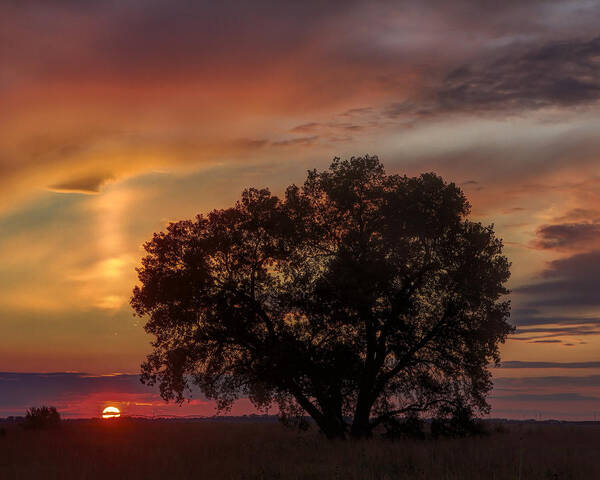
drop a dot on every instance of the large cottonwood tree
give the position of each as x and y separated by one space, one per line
358 299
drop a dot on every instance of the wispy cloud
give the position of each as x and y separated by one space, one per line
551 397
570 281
568 236
525 364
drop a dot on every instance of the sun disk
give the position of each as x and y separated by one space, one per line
111 412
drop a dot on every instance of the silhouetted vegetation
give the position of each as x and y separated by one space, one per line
41 418
132 450
411 426
458 422
361 299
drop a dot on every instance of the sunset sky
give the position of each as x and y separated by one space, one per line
118 116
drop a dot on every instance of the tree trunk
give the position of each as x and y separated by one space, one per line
330 420
333 429
361 425
333 425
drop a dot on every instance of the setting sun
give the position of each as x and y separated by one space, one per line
111 412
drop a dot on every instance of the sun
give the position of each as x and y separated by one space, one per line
111 412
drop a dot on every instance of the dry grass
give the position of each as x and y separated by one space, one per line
127 449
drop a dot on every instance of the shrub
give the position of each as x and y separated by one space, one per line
41 418
459 422
409 427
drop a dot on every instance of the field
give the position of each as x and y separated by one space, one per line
134 449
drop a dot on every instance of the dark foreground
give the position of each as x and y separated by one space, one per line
129 449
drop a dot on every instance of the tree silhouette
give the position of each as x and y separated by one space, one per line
41 418
359 298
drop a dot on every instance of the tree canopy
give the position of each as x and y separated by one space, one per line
359 298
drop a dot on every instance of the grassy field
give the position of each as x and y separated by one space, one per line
130 449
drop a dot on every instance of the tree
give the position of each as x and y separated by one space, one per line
41 418
358 299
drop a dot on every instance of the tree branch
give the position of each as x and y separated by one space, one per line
408 356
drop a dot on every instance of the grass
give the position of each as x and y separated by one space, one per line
130 449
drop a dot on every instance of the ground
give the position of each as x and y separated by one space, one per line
135 449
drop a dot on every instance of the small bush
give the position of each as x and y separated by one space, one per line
459 422
409 427
41 418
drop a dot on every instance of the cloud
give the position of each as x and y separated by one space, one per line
571 281
522 364
528 316
357 112
525 78
562 331
550 397
34 388
545 341
557 74
557 396
579 214
305 127
305 141
86 185
554 381
271 69
567 236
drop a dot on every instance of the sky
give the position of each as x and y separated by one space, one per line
118 116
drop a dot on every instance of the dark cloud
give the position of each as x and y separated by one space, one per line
38 388
521 364
87 184
528 316
580 214
357 112
545 341
296 141
562 331
18 391
182 32
513 79
550 397
560 74
472 185
549 381
333 131
567 236
571 281
513 210
411 108
306 127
